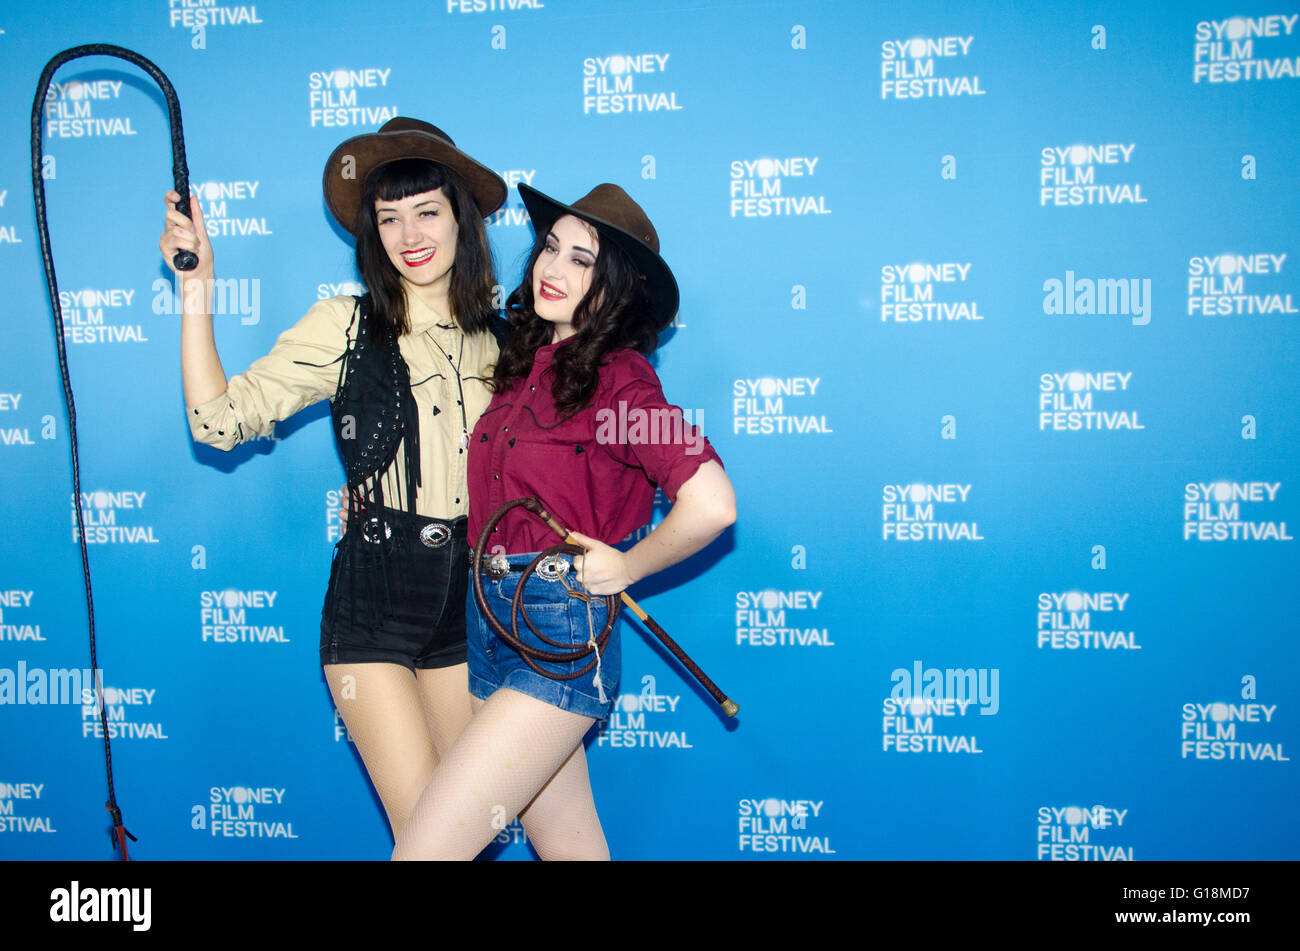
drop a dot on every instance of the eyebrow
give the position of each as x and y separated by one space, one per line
421 204
550 236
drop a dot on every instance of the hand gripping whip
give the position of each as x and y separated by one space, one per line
183 260
532 655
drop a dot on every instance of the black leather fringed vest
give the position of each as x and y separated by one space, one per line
375 417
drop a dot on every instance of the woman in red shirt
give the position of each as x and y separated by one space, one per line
579 421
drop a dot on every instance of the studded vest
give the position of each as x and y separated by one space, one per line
374 414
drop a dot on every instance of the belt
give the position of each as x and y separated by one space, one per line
431 532
552 567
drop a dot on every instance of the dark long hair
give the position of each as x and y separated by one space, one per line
615 314
472 277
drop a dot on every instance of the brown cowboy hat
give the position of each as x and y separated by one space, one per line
402 138
618 218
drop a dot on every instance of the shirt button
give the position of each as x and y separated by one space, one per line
458 501
495 477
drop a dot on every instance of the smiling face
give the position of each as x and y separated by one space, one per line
563 273
419 235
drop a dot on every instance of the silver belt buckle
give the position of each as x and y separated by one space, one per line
553 567
497 567
435 535
375 529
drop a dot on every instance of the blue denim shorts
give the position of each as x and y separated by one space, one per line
493 664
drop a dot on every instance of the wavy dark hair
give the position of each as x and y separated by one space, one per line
472 276
615 314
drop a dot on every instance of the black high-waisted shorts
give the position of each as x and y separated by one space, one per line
397 592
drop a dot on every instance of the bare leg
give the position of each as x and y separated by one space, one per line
382 707
511 748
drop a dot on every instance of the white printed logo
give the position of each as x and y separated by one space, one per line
1069 833
1216 285
921 694
908 68
1235 49
84 316
783 825
117 700
631 724
71 110
337 97
1210 731
14 626
1213 512
189 14
768 619
907 293
241 812
1067 401
230 616
610 84
1069 175
25 796
1066 621
102 514
909 513
760 188
759 406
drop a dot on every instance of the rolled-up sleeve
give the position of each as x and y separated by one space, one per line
302 368
647 431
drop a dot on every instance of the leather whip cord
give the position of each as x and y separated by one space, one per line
531 655
183 260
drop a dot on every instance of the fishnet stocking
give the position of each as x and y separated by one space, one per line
517 755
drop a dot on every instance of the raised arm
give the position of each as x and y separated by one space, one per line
201 371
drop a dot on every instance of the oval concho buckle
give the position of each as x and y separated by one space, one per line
435 535
372 528
498 566
554 568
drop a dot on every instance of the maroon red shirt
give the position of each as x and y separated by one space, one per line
596 471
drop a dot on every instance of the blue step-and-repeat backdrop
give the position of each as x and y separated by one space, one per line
992 311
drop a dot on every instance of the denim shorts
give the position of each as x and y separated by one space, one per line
493 664
397 593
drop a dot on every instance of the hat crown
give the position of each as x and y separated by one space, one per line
611 204
403 124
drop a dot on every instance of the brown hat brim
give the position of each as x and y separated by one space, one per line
353 160
545 211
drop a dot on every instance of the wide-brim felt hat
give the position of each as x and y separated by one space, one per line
402 138
616 217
